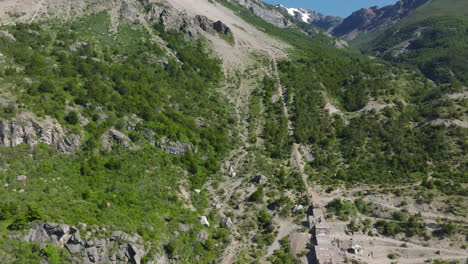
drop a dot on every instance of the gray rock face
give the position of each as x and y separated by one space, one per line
203 22
175 148
114 137
271 16
27 128
220 27
119 248
171 19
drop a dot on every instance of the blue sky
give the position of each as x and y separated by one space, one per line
341 8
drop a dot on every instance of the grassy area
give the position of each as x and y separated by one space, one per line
437 8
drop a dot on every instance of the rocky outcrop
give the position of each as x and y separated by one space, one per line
171 19
270 15
118 248
113 137
221 28
29 129
261 179
203 22
207 25
175 148
375 18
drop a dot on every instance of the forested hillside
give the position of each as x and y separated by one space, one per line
433 38
126 97
176 132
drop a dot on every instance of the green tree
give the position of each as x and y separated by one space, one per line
72 118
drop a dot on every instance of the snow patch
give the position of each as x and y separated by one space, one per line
298 12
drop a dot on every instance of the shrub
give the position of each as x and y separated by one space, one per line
392 256
257 196
72 118
19 223
46 86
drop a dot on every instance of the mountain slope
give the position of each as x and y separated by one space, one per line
375 18
433 39
196 131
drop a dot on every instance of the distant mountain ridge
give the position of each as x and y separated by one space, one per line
374 18
361 21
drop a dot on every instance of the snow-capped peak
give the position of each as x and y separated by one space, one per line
300 13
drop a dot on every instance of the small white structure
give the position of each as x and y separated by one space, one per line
204 221
198 191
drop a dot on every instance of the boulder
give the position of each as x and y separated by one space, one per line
232 172
222 28
92 254
202 235
204 221
135 253
261 179
203 22
227 222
